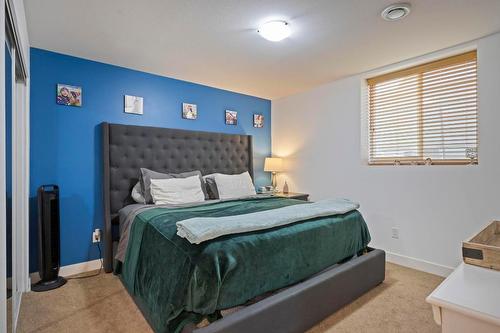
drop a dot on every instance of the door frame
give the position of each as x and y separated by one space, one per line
3 197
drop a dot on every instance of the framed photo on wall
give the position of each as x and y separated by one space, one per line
258 120
69 95
189 111
134 104
231 117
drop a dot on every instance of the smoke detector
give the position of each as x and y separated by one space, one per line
396 11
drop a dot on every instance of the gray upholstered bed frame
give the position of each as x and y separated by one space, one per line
298 308
128 148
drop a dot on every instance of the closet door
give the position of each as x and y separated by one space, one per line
8 175
3 187
14 167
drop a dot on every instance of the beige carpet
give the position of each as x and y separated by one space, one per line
100 304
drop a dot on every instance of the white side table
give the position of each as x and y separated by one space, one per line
468 301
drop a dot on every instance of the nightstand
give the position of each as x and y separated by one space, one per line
292 195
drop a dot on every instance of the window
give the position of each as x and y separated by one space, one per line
426 114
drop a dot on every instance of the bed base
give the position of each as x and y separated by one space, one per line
298 308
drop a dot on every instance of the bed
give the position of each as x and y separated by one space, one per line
306 269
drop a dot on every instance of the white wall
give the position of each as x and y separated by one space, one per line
320 132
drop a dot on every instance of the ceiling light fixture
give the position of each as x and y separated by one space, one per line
396 11
274 31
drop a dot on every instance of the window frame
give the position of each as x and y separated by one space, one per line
419 69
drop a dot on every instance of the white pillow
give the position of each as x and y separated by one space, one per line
234 186
137 194
177 190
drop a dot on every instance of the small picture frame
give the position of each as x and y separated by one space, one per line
134 104
189 111
231 117
258 120
69 95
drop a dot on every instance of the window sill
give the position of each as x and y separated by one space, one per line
423 163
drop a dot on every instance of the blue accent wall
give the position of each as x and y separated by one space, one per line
66 140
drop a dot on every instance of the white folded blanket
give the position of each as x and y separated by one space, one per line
200 229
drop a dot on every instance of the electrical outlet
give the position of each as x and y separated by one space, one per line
395 233
96 236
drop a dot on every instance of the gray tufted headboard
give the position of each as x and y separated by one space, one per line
128 148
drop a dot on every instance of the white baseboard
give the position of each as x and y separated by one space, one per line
68 270
418 264
81 267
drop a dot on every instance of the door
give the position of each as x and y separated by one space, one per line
8 175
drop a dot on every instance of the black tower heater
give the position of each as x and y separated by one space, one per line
48 239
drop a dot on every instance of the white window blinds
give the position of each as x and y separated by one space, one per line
426 114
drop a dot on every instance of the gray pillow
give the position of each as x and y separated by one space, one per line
212 191
147 175
137 194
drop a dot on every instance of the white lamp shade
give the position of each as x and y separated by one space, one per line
273 164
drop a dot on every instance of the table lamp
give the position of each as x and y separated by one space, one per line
273 165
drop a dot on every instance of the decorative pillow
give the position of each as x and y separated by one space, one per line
234 186
211 188
177 190
137 194
147 175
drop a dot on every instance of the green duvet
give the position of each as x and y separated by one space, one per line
175 282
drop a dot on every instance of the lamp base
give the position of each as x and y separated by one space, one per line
274 182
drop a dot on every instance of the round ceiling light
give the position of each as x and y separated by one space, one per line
396 12
274 30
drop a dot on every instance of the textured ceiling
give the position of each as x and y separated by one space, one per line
214 42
